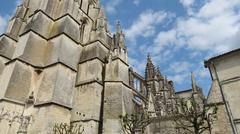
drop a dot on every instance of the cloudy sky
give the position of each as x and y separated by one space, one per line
179 34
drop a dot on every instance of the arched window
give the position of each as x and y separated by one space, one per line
82 29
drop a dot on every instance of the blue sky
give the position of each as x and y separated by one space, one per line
179 34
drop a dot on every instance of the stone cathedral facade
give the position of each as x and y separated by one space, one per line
60 64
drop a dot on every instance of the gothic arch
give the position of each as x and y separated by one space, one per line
85 22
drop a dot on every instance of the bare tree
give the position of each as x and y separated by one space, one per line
136 122
194 115
64 128
3 114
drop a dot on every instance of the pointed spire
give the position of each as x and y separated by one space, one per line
101 13
159 74
94 2
119 38
165 80
118 27
194 84
150 69
149 59
172 89
101 22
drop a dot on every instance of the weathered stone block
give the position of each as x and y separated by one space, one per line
46 117
75 10
215 95
165 126
121 54
68 26
31 48
238 126
32 5
35 23
222 124
90 71
228 67
84 7
63 49
87 102
113 126
93 12
14 27
87 29
233 97
56 86
65 7
117 101
20 12
91 127
13 110
2 64
7 46
117 71
16 81
49 6
94 50
71 7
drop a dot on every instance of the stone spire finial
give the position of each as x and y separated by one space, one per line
118 27
119 38
150 69
159 74
165 80
101 23
101 13
194 84
149 59
94 2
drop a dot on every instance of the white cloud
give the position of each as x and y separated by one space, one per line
145 25
218 31
213 8
212 30
3 23
188 4
136 2
138 65
180 67
18 2
111 6
180 78
181 71
162 39
209 30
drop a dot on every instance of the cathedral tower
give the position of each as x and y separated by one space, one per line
56 59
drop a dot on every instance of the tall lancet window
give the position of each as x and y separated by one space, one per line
82 29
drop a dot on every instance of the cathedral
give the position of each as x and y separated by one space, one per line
59 63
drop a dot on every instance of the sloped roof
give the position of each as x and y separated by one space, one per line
207 62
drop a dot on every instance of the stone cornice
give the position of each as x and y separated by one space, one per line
52 103
135 91
117 58
48 39
4 34
237 78
12 101
88 82
101 42
91 59
41 67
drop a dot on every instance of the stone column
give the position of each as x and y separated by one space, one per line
117 95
